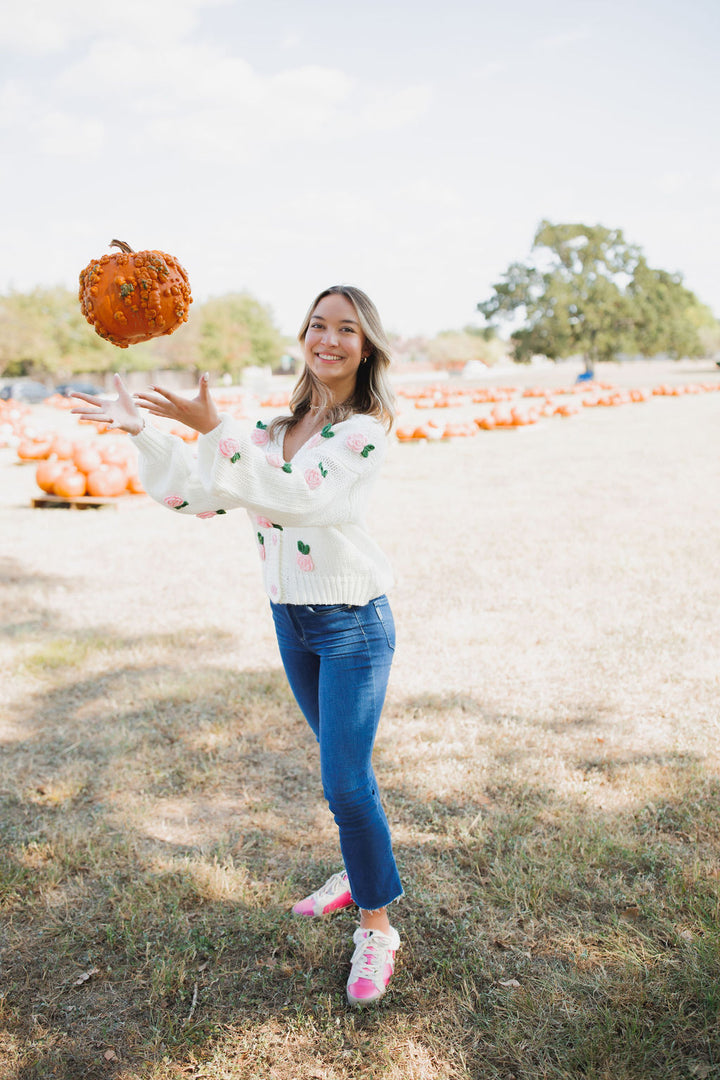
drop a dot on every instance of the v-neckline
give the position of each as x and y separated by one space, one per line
289 460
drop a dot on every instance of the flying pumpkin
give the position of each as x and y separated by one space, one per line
132 296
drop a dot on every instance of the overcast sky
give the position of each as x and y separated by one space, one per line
406 146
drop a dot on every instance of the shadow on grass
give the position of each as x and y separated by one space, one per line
161 812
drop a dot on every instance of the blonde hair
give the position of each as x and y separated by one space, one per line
373 394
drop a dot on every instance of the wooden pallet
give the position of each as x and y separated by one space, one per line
77 502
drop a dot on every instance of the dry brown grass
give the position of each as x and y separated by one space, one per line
549 758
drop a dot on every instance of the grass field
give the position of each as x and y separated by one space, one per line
549 759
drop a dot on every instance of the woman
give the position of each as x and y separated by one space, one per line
304 480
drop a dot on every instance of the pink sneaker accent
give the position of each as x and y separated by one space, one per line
331 896
373 963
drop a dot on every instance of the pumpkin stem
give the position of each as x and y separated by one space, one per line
123 246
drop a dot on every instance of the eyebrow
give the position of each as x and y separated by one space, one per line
339 320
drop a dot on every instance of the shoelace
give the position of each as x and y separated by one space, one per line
369 960
331 886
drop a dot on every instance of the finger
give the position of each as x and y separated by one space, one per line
147 395
174 398
96 418
122 390
90 398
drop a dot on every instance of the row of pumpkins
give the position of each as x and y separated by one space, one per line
503 417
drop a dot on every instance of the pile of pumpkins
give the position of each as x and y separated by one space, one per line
505 415
100 468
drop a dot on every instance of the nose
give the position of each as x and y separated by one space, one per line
330 336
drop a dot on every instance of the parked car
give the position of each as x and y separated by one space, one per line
27 390
68 388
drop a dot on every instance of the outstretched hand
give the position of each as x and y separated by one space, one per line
120 413
199 413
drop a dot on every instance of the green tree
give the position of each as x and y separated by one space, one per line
587 291
455 348
236 330
43 333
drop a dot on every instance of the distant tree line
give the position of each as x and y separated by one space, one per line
586 291
44 334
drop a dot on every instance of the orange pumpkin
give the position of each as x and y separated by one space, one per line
70 483
107 481
487 423
115 452
47 473
33 449
134 296
86 458
134 484
62 448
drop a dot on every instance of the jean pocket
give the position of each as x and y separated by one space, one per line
328 609
385 618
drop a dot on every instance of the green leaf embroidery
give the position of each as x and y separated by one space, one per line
180 506
261 425
287 467
234 458
326 433
366 450
261 538
221 511
278 527
323 472
304 549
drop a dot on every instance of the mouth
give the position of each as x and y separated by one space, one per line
329 357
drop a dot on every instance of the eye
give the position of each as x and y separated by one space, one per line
316 326
348 329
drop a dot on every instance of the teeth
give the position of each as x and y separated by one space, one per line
329 356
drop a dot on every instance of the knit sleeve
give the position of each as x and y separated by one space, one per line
235 467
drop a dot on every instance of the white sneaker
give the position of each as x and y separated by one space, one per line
331 896
373 963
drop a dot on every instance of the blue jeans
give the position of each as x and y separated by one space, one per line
337 659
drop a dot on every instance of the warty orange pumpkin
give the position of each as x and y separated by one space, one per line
134 296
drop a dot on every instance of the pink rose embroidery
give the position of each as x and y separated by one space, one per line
275 460
261 545
230 448
264 522
175 502
313 478
259 436
315 441
207 514
274 590
304 560
356 442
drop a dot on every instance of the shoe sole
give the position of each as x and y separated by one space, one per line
344 901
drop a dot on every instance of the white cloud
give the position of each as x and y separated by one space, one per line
386 112
562 39
17 104
40 27
672 183
197 95
67 135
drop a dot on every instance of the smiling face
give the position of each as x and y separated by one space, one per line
335 345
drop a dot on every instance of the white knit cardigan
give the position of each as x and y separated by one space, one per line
307 514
